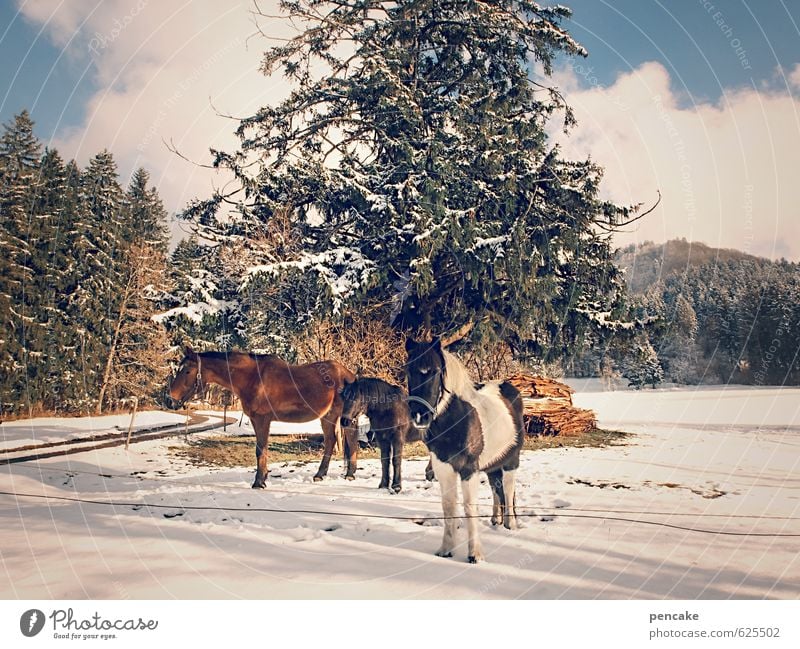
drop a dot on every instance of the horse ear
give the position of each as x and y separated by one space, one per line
410 344
436 343
189 353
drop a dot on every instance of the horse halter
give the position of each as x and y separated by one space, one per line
198 383
430 408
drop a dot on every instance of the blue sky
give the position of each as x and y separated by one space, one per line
684 35
37 75
694 98
55 84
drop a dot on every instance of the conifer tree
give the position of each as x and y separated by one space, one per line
415 172
19 179
49 261
133 362
99 250
641 366
147 216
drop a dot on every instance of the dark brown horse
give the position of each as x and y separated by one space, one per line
270 389
386 407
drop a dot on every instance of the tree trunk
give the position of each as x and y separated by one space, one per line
114 342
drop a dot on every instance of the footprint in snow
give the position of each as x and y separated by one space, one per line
173 514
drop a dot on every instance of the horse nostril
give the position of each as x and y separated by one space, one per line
171 403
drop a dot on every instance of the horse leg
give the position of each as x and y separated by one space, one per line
496 482
429 472
448 481
261 426
386 447
329 422
328 441
397 461
350 435
469 489
510 514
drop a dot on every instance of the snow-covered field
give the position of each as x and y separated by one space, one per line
701 503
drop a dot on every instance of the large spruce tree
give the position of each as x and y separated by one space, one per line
19 180
410 168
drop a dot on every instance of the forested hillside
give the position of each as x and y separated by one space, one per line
716 315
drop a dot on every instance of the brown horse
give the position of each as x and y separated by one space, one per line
270 389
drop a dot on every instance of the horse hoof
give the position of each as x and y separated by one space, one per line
445 554
349 477
383 485
396 489
259 485
472 559
317 478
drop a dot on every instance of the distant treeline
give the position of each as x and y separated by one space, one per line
711 316
82 268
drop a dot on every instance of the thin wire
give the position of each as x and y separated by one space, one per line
415 519
364 497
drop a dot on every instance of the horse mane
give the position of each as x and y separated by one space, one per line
373 391
456 378
231 355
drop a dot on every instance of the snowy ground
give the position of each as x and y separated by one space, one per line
692 507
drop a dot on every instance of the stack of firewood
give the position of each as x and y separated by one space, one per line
548 409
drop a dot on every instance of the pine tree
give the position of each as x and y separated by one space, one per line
642 366
415 172
50 259
100 244
676 344
147 216
133 360
203 306
70 388
19 179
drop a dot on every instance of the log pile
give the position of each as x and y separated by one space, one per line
547 407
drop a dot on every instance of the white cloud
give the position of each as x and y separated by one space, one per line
794 77
727 170
163 71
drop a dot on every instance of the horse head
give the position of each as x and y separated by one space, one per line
425 372
188 381
353 405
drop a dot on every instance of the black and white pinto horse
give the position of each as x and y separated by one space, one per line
468 428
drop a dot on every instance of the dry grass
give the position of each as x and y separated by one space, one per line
239 450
